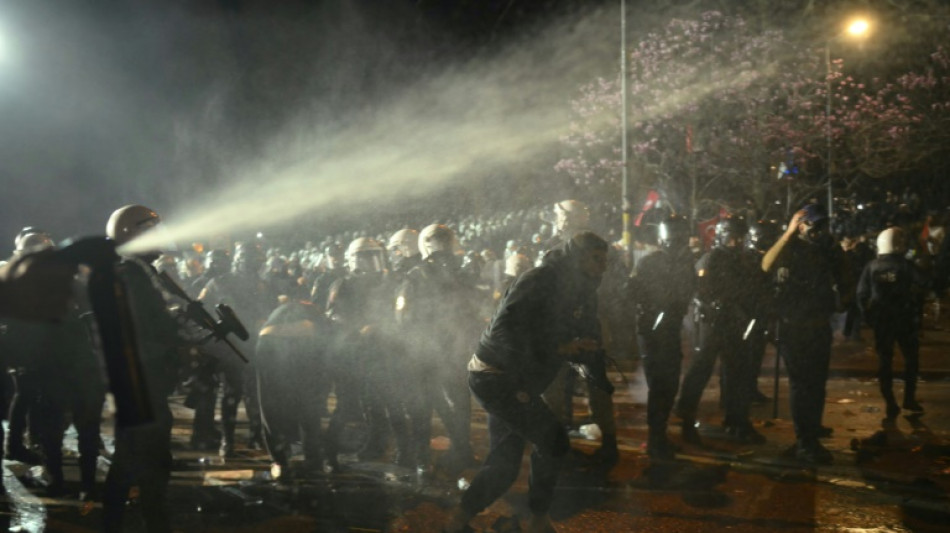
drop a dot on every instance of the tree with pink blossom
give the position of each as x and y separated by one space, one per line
717 108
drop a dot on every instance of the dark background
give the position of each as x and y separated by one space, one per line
105 103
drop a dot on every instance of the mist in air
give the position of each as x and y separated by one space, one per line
456 124
229 122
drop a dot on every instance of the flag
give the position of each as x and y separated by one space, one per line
652 198
707 228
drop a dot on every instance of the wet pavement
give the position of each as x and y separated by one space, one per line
887 477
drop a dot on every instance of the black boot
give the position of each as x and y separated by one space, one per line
607 455
690 433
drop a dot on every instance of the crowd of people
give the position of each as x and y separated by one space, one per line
348 346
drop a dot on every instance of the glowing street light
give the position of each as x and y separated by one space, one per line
857 28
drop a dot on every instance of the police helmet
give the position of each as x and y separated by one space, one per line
571 216
404 244
890 241
130 221
365 255
762 235
673 232
436 238
731 231
217 262
28 230
334 255
517 264
248 258
33 241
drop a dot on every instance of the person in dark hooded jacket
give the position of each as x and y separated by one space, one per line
548 315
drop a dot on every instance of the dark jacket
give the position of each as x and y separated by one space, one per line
728 287
814 281
890 291
664 283
545 307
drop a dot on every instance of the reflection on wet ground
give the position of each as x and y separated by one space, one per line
890 477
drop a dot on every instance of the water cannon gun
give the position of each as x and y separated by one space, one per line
108 296
218 329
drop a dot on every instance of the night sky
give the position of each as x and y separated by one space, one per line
106 102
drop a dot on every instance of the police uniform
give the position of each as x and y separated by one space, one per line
361 307
726 296
437 309
252 301
143 453
291 351
813 281
662 289
888 293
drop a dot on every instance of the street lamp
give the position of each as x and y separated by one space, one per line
856 28
626 205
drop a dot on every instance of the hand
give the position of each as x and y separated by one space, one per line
36 286
793 224
577 347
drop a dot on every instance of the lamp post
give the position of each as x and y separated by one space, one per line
626 205
857 28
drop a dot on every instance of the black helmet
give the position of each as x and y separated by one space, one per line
334 256
217 262
673 232
731 228
248 258
762 235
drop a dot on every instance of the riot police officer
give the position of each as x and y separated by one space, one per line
68 379
23 362
217 263
814 280
291 349
726 298
245 291
436 308
888 294
335 269
662 288
403 248
203 382
361 308
143 453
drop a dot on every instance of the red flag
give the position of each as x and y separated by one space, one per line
652 198
925 236
707 228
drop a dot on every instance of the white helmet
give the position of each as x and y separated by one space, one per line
365 255
571 216
405 242
437 238
517 265
128 222
890 241
32 240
